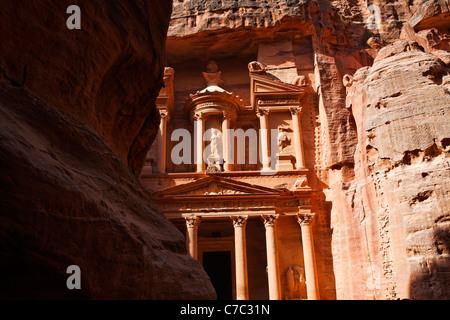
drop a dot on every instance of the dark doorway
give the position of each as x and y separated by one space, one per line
218 266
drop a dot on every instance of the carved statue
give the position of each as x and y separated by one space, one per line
215 142
283 138
295 278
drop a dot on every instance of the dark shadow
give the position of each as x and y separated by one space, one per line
23 278
432 279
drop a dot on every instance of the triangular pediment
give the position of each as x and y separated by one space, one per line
216 186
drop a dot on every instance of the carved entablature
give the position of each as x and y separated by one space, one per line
218 197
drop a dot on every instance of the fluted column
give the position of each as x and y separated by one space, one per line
298 137
272 257
308 255
162 140
226 141
200 145
191 235
239 224
263 115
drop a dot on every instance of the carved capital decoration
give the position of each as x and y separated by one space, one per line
199 116
192 221
164 114
262 112
305 219
296 111
239 221
269 220
227 115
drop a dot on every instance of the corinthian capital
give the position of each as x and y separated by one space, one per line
192 221
239 221
305 219
269 221
199 116
163 114
295 111
262 112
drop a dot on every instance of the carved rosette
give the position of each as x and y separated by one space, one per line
305 219
192 221
239 221
269 220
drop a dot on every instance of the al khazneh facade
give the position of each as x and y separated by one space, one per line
257 214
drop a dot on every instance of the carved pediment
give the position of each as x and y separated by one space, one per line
215 186
265 90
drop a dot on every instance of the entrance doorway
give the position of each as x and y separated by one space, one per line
217 265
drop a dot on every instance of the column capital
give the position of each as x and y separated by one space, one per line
164 114
296 111
305 219
192 221
269 220
262 112
239 221
227 115
199 116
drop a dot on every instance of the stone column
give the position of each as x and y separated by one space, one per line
272 258
239 224
199 118
226 141
298 137
263 115
162 141
191 235
308 255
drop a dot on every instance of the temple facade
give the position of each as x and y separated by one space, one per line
229 170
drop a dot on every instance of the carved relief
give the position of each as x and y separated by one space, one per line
295 279
256 66
283 139
301 183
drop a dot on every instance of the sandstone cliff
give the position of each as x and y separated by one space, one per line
391 219
77 116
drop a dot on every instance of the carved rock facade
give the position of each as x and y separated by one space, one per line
359 142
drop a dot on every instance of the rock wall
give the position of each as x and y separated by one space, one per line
391 213
77 116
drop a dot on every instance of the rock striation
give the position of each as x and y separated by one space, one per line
77 117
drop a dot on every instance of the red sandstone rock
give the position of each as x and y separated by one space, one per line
77 116
400 191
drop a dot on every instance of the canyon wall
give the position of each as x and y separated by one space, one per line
77 117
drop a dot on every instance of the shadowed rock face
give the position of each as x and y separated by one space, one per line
77 116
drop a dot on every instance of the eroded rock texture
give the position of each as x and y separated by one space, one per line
77 116
391 218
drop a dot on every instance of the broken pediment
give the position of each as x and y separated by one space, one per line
266 90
